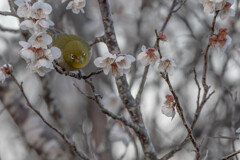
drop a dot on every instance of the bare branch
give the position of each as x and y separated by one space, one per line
230 155
97 40
144 78
122 84
71 146
97 99
5 13
180 112
198 85
76 75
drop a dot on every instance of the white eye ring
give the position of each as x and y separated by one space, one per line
72 57
84 54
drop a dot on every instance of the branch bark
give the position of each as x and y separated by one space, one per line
122 84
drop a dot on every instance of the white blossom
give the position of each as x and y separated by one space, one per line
166 65
105 62
24 8
36 26
27 52
227 10
42 66
40 10
221 40
169 106
52 53
123 64
228 42
168 111
76 6
5 71
40 40
211 6
148 56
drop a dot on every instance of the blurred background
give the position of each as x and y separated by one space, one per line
23 136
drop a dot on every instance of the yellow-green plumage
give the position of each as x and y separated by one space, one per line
75 51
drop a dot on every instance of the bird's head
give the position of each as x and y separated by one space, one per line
76 54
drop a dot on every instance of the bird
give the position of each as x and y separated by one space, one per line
75 51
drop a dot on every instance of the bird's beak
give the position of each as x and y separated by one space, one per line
80 60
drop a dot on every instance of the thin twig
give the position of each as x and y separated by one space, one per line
171 11
144 77
180 112
5 13
76 75
230 155
204 100
157 45
97 40
225 137
198 86
97 99
205 96
71 146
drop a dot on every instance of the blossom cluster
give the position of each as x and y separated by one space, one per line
35 51
119 64
220 40
169 106
150 57
5 71
223 8
76 5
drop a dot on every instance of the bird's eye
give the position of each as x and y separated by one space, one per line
84 54
72 57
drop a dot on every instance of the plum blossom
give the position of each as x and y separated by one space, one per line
105 62
24 8
211 6
122 64
36 51
39 59
148 56
76 6
39 40
227 10
40 10
27 52
162 37
119 63
5 71
220 40
44 61
169 106
34 26
166 65
42 67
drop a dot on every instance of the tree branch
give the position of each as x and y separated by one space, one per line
122 84
71 146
